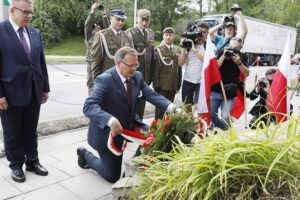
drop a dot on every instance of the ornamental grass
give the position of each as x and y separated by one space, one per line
255 164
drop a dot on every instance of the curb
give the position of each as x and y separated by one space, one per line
54 126
51 127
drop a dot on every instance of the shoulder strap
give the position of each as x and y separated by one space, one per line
222 47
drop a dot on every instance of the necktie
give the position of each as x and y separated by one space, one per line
128 87
170 48
24 42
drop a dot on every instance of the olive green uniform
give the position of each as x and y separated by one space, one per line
105 45
167 73
144 45
89 38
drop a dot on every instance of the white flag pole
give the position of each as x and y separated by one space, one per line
135 11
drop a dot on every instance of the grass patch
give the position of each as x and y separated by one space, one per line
72 45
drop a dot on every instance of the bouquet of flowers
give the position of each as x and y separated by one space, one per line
161 137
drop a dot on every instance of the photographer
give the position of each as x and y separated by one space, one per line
192 57
260 108
231 63
230 28
90 29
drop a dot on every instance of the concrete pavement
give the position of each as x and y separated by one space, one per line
65 180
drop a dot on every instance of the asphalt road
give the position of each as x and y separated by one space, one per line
69 90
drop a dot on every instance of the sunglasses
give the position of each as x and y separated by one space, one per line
25 12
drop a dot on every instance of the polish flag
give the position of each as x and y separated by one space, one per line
277 98
210 76
239 101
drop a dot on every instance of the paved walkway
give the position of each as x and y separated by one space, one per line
65 180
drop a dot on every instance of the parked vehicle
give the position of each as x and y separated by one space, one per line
265 39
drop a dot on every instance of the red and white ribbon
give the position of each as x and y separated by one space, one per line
133 136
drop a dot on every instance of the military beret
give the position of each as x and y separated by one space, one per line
144 14
169 30
117 12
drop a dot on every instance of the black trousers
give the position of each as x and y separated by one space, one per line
19 125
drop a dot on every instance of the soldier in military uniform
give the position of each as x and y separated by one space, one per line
143 41
167 71
90 29
108 41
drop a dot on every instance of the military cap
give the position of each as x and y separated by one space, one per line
169 30
144 14
117 12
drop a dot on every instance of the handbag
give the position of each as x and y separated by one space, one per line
230 90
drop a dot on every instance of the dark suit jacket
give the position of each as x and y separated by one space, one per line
18 74
109 98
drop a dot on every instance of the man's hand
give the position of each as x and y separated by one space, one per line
3 103
94 7
116 128
236 58
45 97
267 89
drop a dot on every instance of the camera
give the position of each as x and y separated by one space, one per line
235 9
231 51
100 7
191 34
229 18
262 82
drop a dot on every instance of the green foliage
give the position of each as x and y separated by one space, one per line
283 12
256 164
49 30
73 45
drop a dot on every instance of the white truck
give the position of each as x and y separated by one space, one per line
264 39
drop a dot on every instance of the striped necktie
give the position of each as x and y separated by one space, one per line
24 42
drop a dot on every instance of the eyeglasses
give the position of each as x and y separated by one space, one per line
25 12
131 66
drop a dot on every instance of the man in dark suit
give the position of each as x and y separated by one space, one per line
112 107
24 86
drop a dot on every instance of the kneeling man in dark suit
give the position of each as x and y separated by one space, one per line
111 107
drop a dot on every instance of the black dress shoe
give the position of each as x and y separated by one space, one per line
18 175
38 169
81 160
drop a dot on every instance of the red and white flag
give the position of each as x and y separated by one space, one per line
277 97
239 101
210 76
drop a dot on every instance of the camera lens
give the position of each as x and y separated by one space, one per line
228 54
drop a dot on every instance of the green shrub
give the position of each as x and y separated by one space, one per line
50 32
256 164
